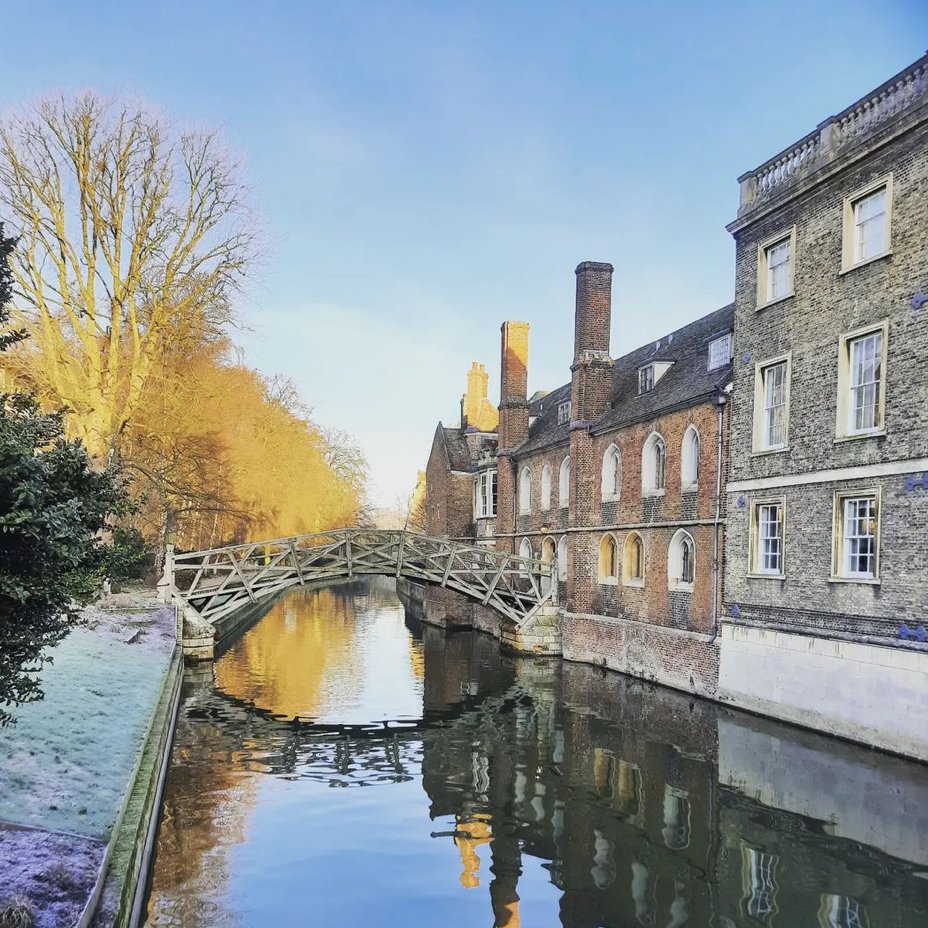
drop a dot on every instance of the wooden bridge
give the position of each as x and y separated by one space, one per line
211 585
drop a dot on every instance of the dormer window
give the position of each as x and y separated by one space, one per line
719 351
563 413
646 379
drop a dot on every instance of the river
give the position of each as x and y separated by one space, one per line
341 764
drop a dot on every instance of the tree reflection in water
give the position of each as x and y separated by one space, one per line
638 805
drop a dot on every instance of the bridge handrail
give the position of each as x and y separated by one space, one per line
536 565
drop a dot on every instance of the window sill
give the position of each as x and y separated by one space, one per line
866 581
847 268
608 581
689 487
638 584
653 493
610 499
545 509
764 452
766 576
525 512
680 588
779 299
857 436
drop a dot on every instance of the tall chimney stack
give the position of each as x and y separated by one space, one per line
592 367
513 426
513 402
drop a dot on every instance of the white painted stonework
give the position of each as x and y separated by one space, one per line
873 694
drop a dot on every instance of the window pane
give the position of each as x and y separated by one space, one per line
778 259
769 552
774 435
870 225
859 534
865 368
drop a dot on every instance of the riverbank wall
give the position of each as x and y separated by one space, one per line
732 671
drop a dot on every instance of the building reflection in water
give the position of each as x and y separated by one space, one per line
642 806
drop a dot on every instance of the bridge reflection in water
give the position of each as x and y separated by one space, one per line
507 792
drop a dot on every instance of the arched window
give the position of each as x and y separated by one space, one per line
612 473
525 548
525 490
654 464
547 555
546 488
608 560
689 458
563 483
681 562
548 550
562 558
633 560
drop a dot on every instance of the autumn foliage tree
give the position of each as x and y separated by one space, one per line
134 245
127 236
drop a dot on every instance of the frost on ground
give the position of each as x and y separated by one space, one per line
52 873
66 762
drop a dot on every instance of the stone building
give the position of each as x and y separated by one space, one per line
827 555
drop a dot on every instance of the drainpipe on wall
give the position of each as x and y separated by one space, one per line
721 400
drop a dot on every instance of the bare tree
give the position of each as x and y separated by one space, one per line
129 238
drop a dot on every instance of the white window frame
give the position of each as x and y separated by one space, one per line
563 413
724 344
525 490
851 226
546 488
649 482
563 483
765 297
675 579
484 495
844 429
757 538
761 425
689 462
611 474
646 379
840 573
627 578
562 557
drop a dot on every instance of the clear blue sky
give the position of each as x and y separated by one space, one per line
425 170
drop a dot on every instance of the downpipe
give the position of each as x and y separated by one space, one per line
721 402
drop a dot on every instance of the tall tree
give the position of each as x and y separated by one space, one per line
52 508
130 237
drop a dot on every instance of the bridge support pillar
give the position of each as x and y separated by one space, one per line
198 639
540 635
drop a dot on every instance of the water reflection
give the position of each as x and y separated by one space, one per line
345 766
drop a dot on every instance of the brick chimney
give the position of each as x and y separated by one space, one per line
513 426
476 409
513 402
590 392
591 382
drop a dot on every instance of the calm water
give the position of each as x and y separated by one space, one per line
342 765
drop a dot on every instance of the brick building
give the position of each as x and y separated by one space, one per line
617 476
827 554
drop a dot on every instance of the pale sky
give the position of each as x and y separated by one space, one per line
423 171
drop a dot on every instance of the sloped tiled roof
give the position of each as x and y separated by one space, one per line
687 382
459 456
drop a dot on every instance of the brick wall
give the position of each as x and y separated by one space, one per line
449 497
683 661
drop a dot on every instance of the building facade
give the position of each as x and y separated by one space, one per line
739 509
617 476
827 557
